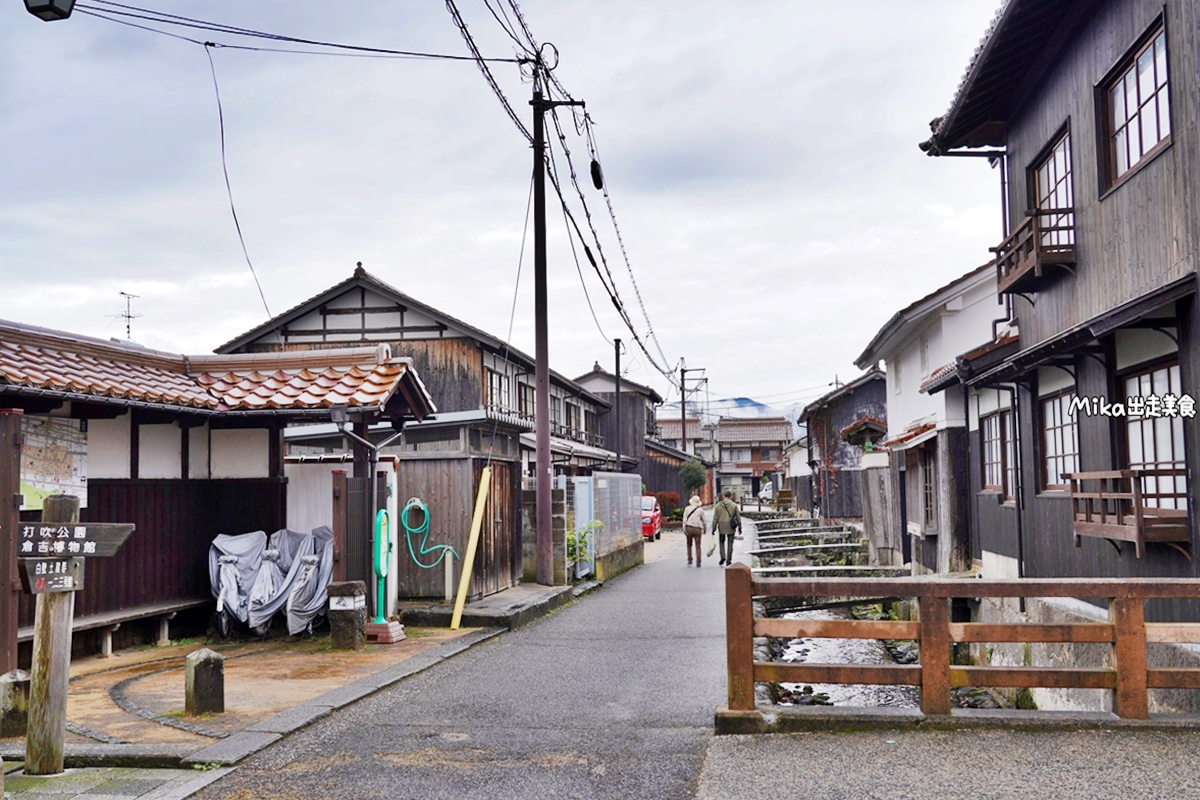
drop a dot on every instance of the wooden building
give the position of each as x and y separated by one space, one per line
1090 108
184 447
750 451
465 368
928 499
485 391
835 462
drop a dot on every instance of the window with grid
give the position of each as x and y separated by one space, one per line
573 417
1156 443
1052 190
1060 441
497 390
999 467
1139 114
528 400
929 488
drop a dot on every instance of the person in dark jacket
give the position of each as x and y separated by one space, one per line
726 524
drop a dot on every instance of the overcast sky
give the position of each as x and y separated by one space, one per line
762 160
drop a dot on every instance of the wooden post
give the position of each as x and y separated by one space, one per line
51 662
10 581
1128 617
739 637
339 525
934 630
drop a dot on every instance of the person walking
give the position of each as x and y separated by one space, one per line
693 527
726 523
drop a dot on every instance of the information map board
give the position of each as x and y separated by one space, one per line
53 460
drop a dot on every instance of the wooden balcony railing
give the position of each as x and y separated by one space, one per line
1116 505
1127 631
1045 239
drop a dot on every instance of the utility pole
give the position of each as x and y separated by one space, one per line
617 348
545 539
683 408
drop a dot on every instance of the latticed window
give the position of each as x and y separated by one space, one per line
999 467
929 488
1156 443
1060 442
1139 114
1052 187
528 400
497 390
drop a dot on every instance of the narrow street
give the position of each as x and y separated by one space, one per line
611 697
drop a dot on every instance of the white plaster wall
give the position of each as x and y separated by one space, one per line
310 495
240 453
1052 380
960 325
159 451
108 447
198 453
996 566
1138 345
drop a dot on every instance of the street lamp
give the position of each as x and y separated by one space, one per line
50 10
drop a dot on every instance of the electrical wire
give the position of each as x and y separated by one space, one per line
229 189
481 62
162 17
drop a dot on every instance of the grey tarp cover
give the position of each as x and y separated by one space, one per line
247 549
280 566
309 591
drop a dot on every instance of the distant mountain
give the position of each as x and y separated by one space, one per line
739 407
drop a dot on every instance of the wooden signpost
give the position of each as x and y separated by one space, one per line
53 554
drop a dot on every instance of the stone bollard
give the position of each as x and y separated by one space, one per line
348 615
204 683
14 703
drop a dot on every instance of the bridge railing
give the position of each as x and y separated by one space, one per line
1127 631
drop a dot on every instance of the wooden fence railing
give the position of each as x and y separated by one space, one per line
1127 631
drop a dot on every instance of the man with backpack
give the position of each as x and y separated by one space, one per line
726 524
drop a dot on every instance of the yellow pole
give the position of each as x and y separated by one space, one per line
485 480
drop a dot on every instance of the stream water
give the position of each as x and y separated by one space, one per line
847 651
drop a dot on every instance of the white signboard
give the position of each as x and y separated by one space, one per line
53 460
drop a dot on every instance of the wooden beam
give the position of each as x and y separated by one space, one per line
739 643
1048 677
1130 700
834 629
954 587
1032 632
935 654
1173 632
885 674
10 488
1173 678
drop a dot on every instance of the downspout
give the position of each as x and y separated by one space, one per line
1019 474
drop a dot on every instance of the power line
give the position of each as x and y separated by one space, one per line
229 189
162 17
481 62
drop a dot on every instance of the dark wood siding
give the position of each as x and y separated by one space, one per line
1145 232
166 558
633 423
660 473
448 486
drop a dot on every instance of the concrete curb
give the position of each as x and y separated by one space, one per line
261 735
509 618
801 719
76 756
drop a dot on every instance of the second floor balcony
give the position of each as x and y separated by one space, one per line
1130 506
1037 251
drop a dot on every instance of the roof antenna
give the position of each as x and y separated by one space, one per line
128 316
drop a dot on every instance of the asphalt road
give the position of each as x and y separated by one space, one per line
610 697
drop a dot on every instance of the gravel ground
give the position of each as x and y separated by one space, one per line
933 765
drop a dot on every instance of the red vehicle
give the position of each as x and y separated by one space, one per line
651 518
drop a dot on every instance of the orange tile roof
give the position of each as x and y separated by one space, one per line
39 359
